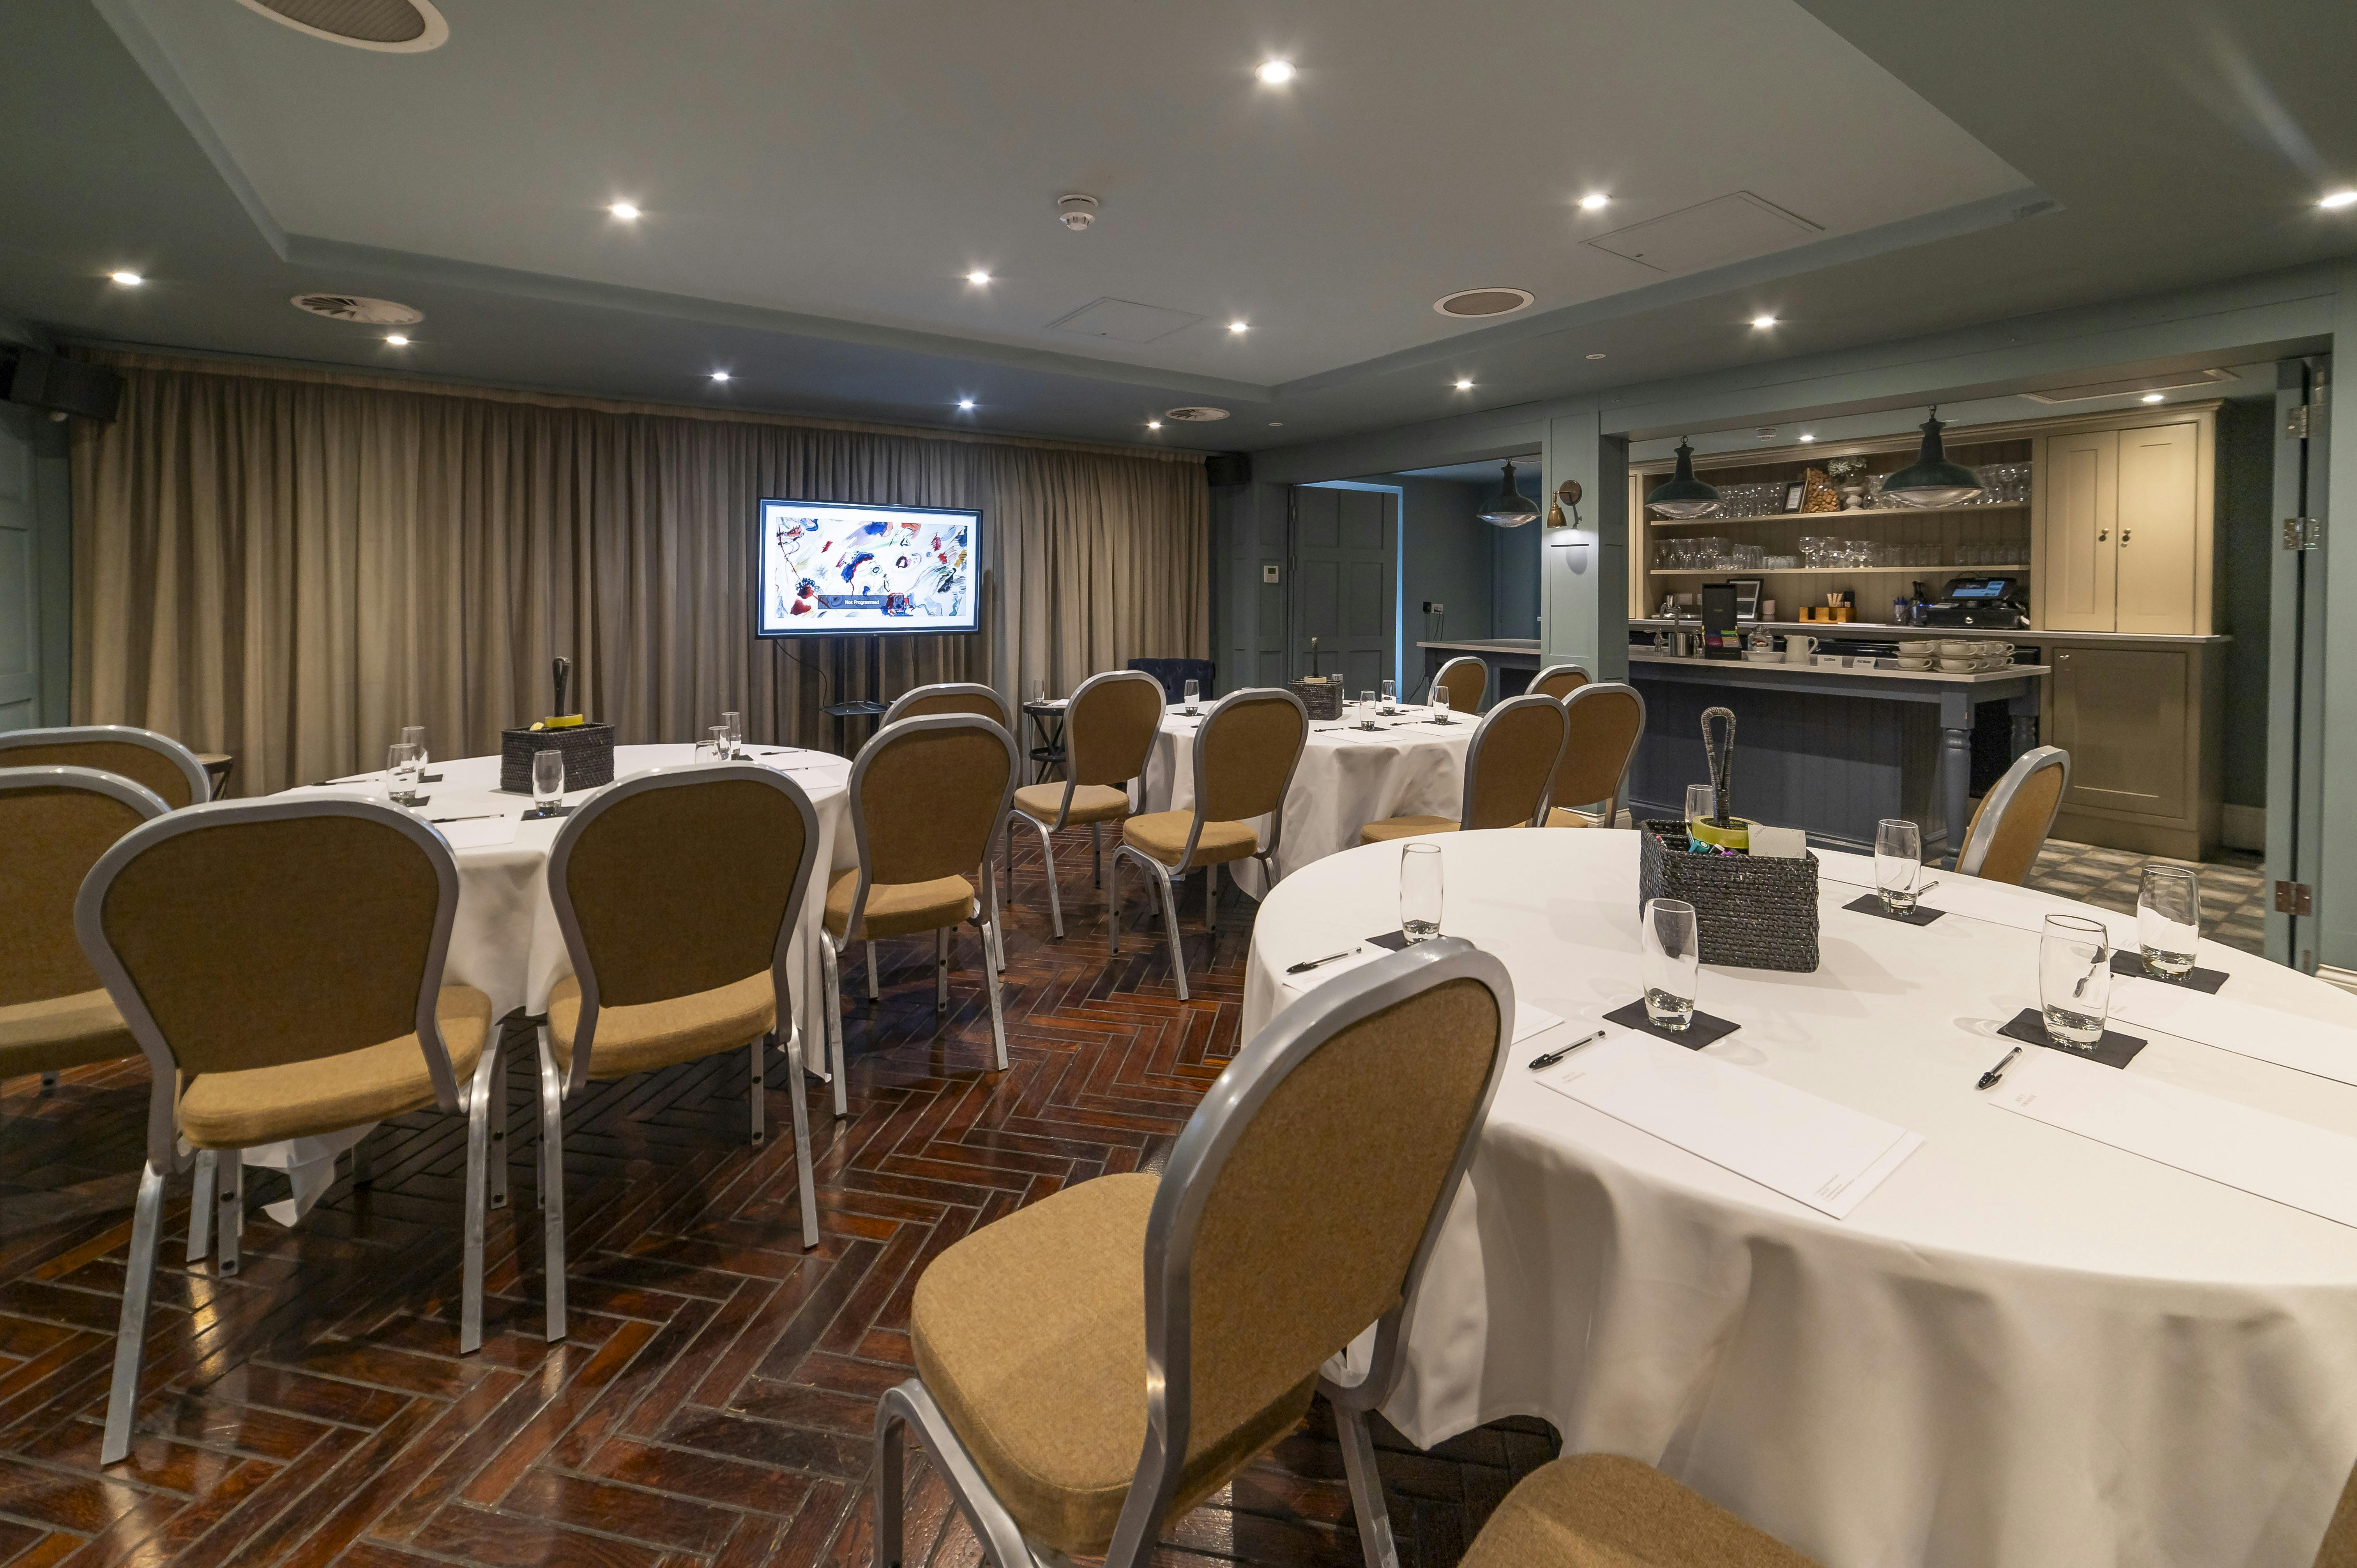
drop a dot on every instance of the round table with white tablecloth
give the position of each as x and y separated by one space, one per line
2025 1349
1411 764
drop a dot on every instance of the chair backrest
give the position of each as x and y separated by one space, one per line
681 880
1560 681
2010 826
56 822
1245 755
948 697
1300 1203
1174 674
252 934
925 795
1468 679
1511 762
155 762
2339 1549
1109 728
1603 722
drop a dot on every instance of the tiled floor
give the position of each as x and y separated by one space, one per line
2233 887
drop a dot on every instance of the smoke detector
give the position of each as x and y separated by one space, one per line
388 27
359 308
1467 302
1195 415
1076 212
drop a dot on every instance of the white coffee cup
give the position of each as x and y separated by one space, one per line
1800 647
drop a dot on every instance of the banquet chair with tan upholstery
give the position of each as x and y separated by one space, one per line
1507 769
299 996
678 890
949 697
1092 1365
1588 1511
1468 679
1109 731
155 762
1245 751
55 823
927 796
2009 826
1560 681
1604 720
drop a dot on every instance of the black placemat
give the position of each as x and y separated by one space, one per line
539 814
2194 979
1396 941
419 804
429 779
2114 1049
1705 1030
1871 904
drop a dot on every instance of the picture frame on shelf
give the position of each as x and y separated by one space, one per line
1795 494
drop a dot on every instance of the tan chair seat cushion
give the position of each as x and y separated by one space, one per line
650 1035
263 1104
1030 1334
59 1032
1163 835
1392 828
895 909
1091 802
1599 1510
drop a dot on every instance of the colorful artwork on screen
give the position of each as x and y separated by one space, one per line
833 569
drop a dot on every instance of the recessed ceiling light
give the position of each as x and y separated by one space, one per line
1276 72
1763 322
2339 200
2152 397
977 276
1593 201
966 403
128 280
1238 326
1596 356
1153 425
1464 386
397 339
719 375
624 210
1805 437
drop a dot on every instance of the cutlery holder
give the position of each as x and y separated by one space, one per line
1750 911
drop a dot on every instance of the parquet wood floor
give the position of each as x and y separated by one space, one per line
713 1404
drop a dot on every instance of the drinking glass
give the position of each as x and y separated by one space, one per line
1702 802
401 770
1391 695
1897 862
1440 703
1366 710
1194 694
1420 891
547 780
2168 920
733 725
2074 980
1672 957
415 735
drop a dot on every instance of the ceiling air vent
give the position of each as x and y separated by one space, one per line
1195 415
359 308
1482 301
391 27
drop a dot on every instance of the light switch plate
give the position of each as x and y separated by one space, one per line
1268 571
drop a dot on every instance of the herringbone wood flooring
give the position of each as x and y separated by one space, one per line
713 1404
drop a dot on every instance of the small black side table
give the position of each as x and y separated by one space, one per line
1047 723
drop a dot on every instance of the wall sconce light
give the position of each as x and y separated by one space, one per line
1560 531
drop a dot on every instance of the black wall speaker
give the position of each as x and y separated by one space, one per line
1227 468
61 386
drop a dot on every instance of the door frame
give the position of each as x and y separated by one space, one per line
2295 674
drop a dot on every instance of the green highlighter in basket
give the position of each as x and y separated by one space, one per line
1722 829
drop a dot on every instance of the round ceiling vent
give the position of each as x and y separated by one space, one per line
1482 301
359 308
1195 415
390 26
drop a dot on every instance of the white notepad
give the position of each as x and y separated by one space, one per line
2254 1151
2305 1045
1810 1149
480 832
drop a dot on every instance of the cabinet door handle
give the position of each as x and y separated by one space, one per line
2123 534
2102 534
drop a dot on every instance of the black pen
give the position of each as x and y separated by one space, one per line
1554 1056
1988 1079
1306 965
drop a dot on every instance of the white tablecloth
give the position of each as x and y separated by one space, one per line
1348 777
2024 1349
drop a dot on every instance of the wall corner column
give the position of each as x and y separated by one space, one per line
1584 602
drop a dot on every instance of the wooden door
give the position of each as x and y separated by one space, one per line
2157 531
2080 567
2122 714
1345 565
20 605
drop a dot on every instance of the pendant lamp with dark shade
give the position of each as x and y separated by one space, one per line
1509 508
1932 480
1682 495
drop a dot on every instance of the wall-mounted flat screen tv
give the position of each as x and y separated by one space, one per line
834 569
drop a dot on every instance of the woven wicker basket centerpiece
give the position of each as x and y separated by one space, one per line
1750 911
588 749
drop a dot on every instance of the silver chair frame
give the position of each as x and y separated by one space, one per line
1993 805
1593 690
554 1091
984 912
1441 678
1167 877
1096 832
471 1100
1586 676
1211 1136
200 783
1473 757
901 704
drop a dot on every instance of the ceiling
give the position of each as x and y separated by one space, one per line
816 181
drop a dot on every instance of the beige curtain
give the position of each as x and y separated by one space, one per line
291 567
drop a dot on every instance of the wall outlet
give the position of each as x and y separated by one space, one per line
1432 607
1268 571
